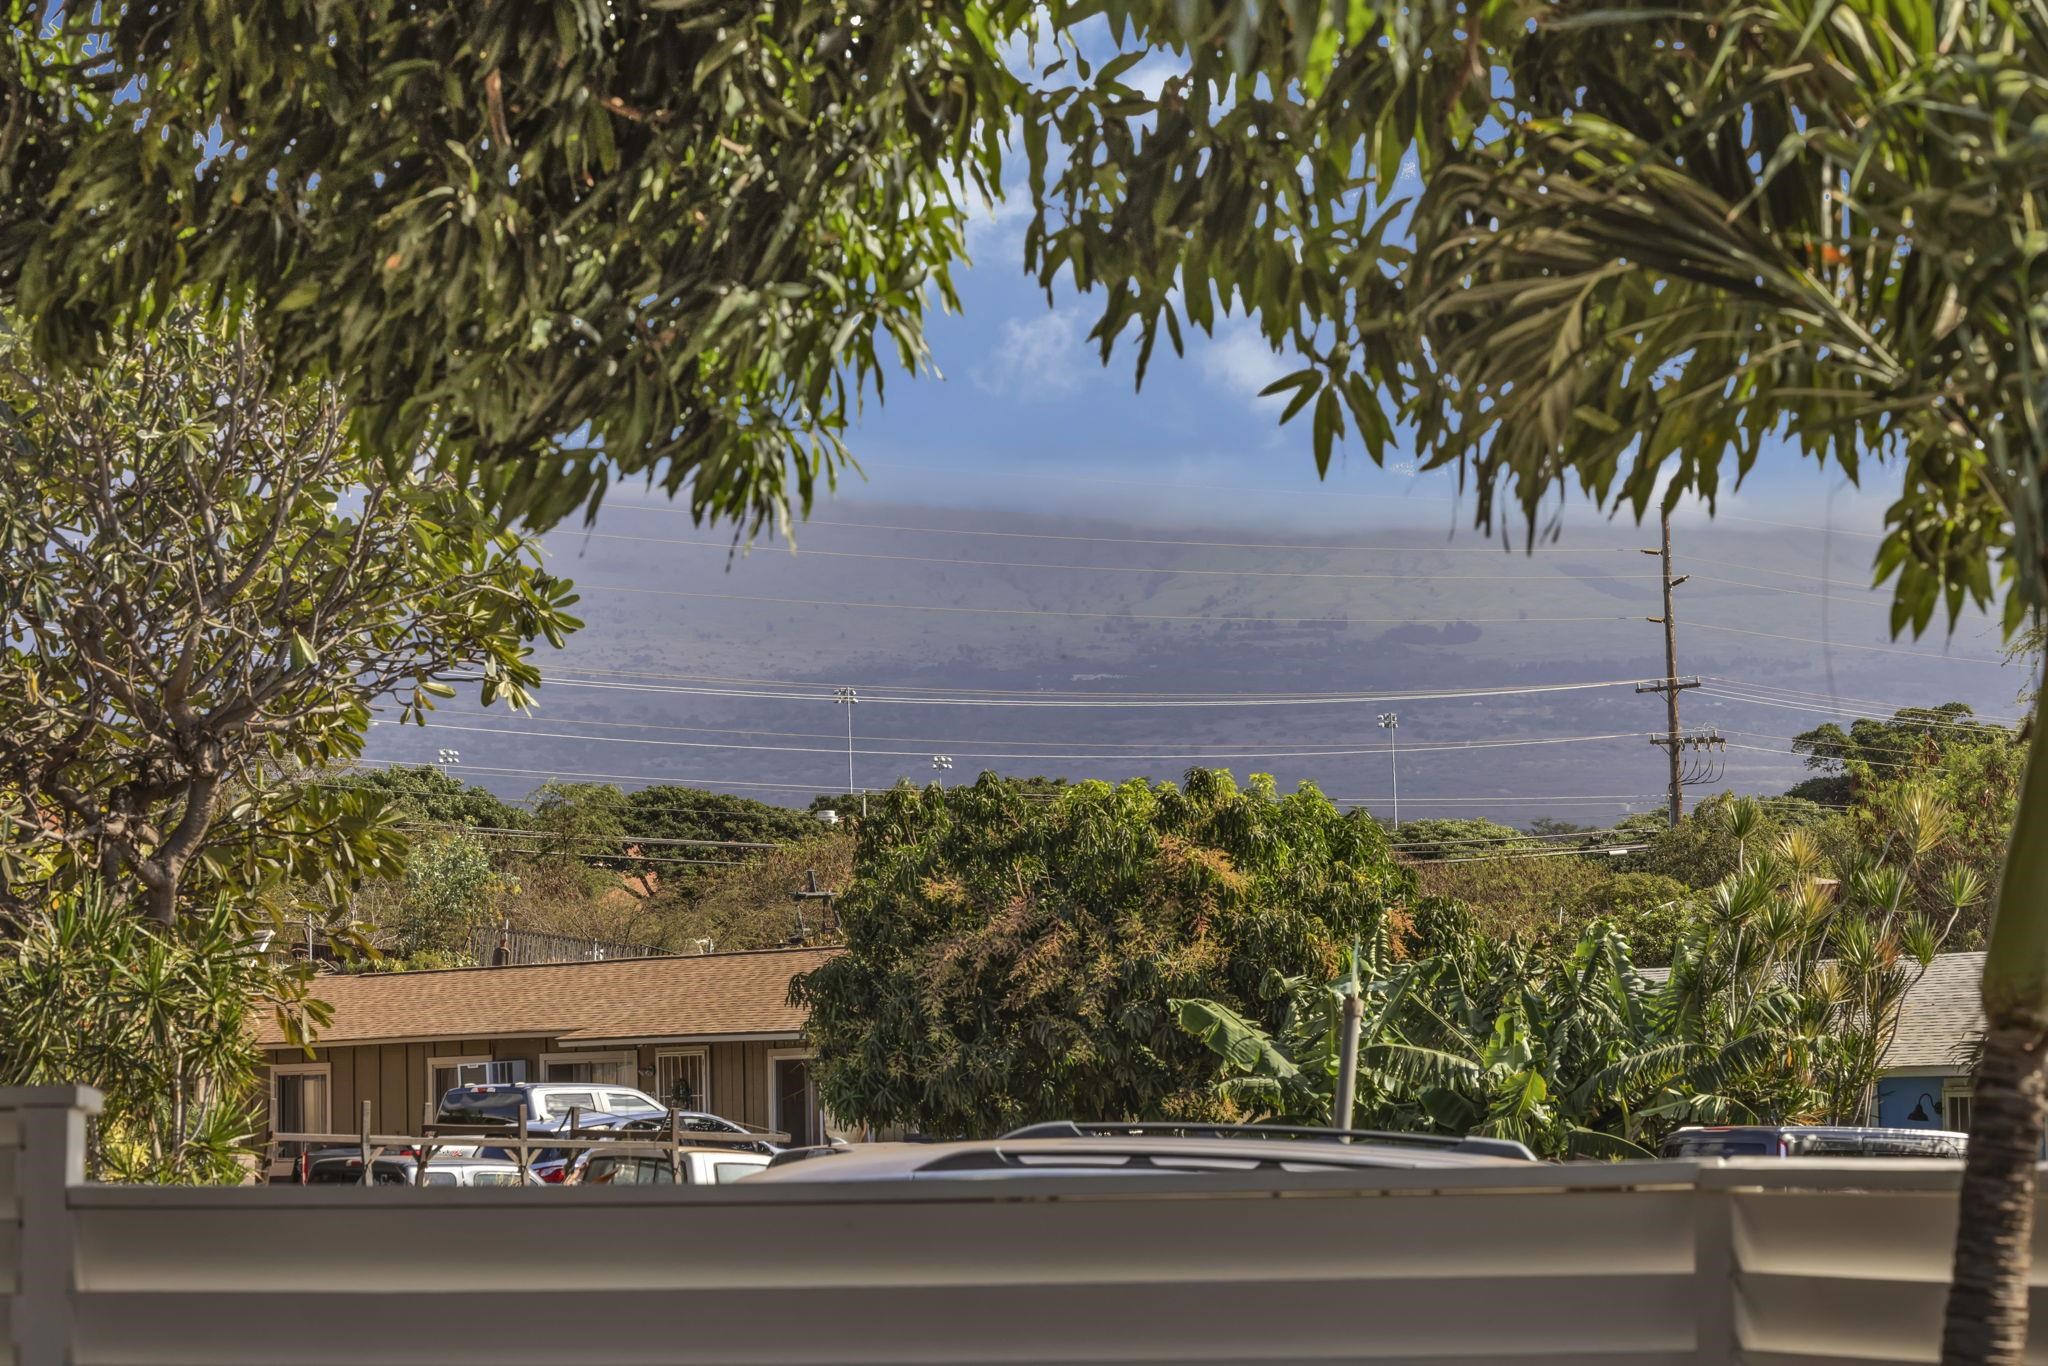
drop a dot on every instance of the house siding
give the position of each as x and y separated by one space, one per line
393 1078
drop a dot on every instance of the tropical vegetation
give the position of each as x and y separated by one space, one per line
1010 960
1780 998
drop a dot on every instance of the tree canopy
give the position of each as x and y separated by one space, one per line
1010 960
205 585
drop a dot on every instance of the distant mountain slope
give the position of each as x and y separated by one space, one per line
896 596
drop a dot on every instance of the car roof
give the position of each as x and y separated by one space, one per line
1051 1156
624 1148
1842 1131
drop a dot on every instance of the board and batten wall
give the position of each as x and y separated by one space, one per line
393 1077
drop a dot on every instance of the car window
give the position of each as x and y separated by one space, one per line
712 1124
494 1179
604 1171
435 1178
628 1100
725 1173
559 1103
462 1106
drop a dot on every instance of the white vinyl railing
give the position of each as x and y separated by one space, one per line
1767 1263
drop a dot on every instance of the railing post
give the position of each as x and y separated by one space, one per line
42 1155
1714 1266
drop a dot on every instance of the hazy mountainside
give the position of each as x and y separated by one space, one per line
969 607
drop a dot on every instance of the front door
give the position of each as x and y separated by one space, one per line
796 1104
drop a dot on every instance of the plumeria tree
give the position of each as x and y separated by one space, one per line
206 585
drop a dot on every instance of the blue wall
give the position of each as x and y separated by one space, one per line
1896 1097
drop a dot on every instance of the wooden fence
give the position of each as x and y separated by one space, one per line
1759 1262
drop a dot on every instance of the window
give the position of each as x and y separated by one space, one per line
494 1179
602 1069
682 1078
627 1102
434 1178
1955 1105
725 1173
560 1103
476 1069
298 1098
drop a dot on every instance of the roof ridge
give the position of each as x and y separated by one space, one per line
580 962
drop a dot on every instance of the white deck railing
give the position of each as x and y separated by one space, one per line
1760 1262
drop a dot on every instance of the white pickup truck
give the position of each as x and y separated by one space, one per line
647 1164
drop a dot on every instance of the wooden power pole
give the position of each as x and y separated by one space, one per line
1674 740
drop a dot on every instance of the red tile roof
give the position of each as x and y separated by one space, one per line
626 998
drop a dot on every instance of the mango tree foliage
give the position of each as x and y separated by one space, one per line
206 586
1010 960
679 238
569 237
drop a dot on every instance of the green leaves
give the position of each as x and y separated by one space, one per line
291 579
1011 959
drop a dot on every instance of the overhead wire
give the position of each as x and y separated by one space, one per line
801 553
1175 756
1071 613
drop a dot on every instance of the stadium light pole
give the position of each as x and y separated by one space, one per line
941 764
850 698
1390 722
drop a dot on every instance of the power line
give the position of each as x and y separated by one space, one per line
679 780
1175 756
1091 616
1106 700
1098 693
1872 709
797 554
1842 645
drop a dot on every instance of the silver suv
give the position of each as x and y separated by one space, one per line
1063 1148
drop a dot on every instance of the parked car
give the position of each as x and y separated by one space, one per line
646 1164
1068 1149
498 1103
344 1167
549 1105
1810 1140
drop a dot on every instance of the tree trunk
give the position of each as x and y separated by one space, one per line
1986 1323
1987 1303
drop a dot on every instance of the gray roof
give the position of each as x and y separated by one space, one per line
1942 1013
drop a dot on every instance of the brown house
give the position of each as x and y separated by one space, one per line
712 1032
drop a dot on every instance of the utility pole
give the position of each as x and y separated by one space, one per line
1672 741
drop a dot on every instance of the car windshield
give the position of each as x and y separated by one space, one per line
469 1106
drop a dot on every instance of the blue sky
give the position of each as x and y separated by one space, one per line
1024 415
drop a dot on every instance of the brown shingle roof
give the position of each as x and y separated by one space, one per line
628 998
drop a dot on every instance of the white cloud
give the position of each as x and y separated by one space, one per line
1152 74
1239 358
1033 358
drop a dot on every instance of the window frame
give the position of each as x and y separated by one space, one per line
323 1070
703 1054
1956 1090
457 1061
626 1057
